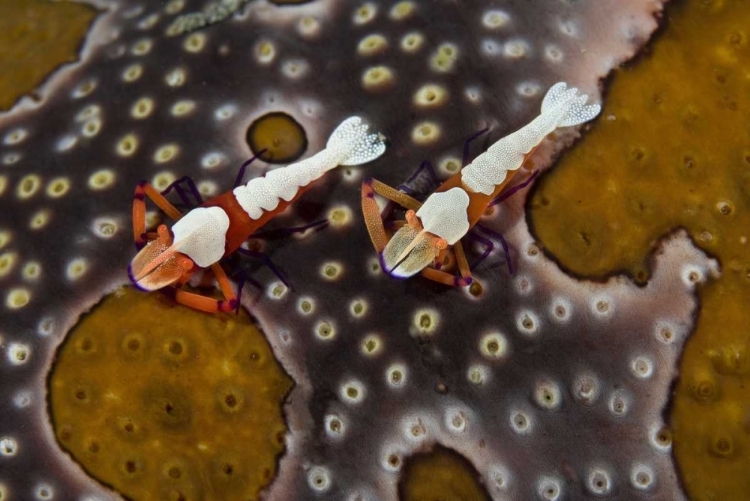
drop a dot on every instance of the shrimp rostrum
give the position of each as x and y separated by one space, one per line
447 215
202 237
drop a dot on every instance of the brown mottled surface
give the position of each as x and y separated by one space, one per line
441 475
162 402
673 149
47 33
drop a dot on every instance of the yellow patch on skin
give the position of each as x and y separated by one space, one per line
672 148
131 400
443 475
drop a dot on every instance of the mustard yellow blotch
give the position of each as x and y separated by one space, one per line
440 475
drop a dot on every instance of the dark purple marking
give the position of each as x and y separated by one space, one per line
488 248
181 192
267 261
467 143
425 165
507 194
243 167
506 249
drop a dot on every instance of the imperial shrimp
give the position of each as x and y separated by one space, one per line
205 235
456 206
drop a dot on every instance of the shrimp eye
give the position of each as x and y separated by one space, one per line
441 244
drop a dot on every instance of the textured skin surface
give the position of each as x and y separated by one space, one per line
673 148
177 106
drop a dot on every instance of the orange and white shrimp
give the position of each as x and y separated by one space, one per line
457 205
218 227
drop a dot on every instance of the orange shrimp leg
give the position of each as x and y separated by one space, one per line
143 190
448 278
373 219
205 303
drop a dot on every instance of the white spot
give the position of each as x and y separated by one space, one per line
195 42
618 404
11 158
569 28
413 429
212 160
395 375
84 89
642 367
319 479
424 322
412 42
372 345
365 13
88 112
44 492
549 489
455 420
148 22
295 69
183 108
306 305
547 395
331 270
516 49
642 477
473 95
208 188
308 27
174 7
325 331
553 53
602 307
478 374
225 112
166 153
527 323
176 77
528 89
92 127
660 438
524 286
586 388
490 47
17 298
334 426
520 422
8 447
665 332
392 461
66 143
22 399
277 290
141 47
46 326
561 310
599 482
76 269
102 179
499 477
132 73
493 346
691 276
127 145
352 392
495 19
265 51
15 136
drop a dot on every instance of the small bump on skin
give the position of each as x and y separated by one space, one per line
166 153
277 290
395 375
88 112
516 49
352 392
527 323
28 186
11 158
104 227
358 308
642 367
31 271
402 11
378 79
547 395
84 89
660 439
58 187
665 333
478 374
308 27
618 404
7 262
306 305
473 95
102 179
549 489
141 47
325 331
642 477
424 322
225 112
691 276
148 22
18 353
599 482
174 7
319 479
561 310
372 345
8 446
127 146
528 89
425 134
412 42
553 53
183 108
15 136
455 421
163 179
520 422
391 462
142 108
413 429
76 269
66 143
5 237
493 346
444 59
334 426
331 270
495 19
22 399
265 52
365 14
586 388
3 184
602 307
340 216
449 166
44 492
208 189
295 69
194 43
176 77
430 96
212 160
39 219
91 128
372 45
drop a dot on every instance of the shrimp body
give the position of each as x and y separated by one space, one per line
457 205
219 226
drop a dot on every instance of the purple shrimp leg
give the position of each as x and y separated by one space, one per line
267 261
181 192
507 194
506 249
243 167
282 232
488 248
467 143
425 165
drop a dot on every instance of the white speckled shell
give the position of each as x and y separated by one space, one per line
444 214
201 235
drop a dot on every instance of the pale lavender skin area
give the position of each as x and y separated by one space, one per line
574 444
